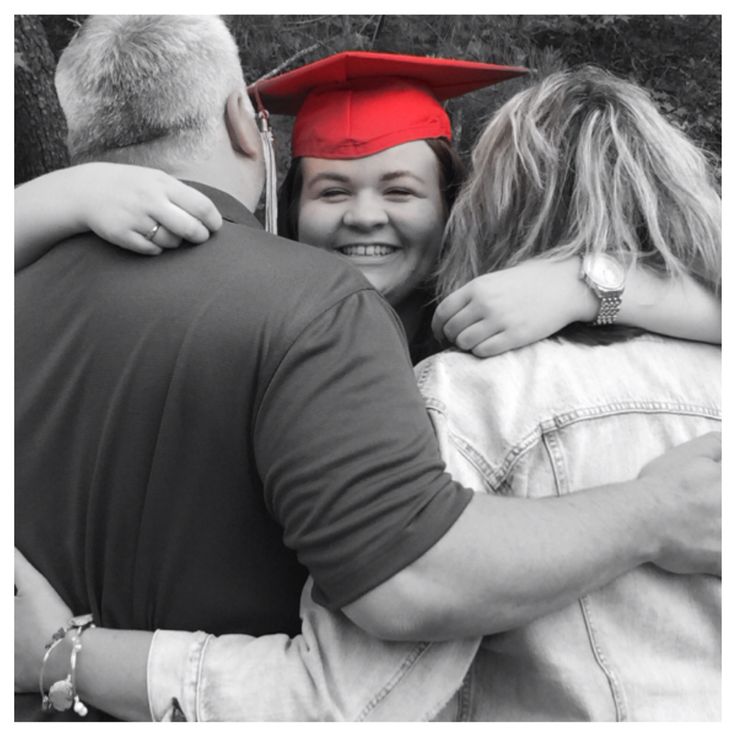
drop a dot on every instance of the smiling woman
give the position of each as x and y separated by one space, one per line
384 213
373 175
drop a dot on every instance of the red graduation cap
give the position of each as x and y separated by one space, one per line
357 103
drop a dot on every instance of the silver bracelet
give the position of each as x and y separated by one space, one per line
62 694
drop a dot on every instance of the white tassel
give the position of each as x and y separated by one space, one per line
271 175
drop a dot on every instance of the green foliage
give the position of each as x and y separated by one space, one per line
677 58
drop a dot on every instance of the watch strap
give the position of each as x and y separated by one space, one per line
608 310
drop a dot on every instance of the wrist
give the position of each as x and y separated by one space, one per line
57 665
78 198
646 524
585 303
60 693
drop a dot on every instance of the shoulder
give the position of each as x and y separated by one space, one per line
549 380
643 362
295 273
241 287
290 295
242 279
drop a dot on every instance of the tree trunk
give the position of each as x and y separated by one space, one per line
40 128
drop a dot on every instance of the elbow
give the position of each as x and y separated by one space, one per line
406 608
414 607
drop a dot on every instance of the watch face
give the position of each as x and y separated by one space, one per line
605 271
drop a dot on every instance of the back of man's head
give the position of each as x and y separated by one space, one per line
147 89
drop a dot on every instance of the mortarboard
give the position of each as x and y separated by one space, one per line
357 103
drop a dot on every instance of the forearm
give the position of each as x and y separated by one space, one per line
333 671
678 307
508 561
45 213
320 675
110 673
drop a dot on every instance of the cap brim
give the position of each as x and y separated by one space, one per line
446 78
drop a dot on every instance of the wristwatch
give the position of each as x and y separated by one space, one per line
607 278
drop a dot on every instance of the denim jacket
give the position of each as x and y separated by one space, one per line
542 421
547 420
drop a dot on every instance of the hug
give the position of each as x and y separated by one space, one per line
445 447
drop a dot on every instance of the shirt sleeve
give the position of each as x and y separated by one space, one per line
350 465
173 673
332 671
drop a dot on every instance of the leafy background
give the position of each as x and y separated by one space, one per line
677 58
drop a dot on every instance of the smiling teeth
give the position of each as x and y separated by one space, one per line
367 250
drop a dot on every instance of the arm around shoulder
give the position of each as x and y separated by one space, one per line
678 307
122 204
507 561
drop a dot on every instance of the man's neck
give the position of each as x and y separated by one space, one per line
241 184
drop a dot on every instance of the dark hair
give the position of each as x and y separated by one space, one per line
452 171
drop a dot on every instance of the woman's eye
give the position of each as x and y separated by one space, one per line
333 193
399 193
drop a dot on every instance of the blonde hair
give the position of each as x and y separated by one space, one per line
583 162
146 89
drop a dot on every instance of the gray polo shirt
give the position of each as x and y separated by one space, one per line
195 431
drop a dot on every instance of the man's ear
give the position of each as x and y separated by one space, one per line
241 125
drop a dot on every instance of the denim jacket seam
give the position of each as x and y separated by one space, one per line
557 461
614 408
199 706
149 677
549 426
433 404
551 443
466 448
465 702
495 477
617 694
464 694
404 668
422 375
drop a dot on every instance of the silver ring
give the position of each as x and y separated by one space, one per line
151 234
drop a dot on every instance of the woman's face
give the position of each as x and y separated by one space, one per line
383 213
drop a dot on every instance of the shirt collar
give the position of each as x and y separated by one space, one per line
230 208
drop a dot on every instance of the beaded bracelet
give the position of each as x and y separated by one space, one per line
62 694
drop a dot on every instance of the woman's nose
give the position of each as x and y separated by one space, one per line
365 213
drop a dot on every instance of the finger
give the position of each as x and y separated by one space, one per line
495 345
156 237
474 335
448 308
469 315
707 445
179 222
139 243
165 239
197 205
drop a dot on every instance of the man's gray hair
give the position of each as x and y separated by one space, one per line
147 89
